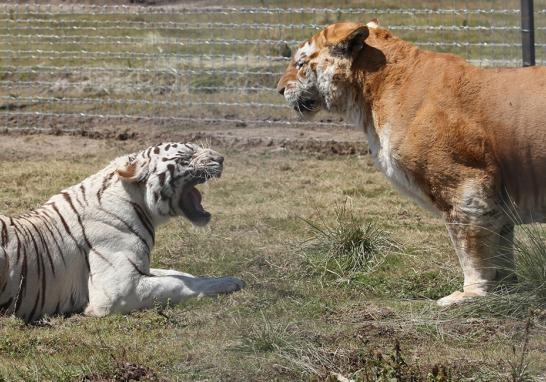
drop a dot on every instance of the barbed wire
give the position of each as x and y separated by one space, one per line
197 72
105 69
128 87
101 40
181 59
192 56
122 24
134 9
162 24
14 70
450 28
116 66
82 53
88 54
144 70
129 101
218 42
174 71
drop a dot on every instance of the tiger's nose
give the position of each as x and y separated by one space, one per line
281 90
216 157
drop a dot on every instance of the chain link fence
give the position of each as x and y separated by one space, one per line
78 68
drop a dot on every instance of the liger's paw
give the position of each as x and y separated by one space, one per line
458 297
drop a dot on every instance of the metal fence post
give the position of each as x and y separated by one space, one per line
527 33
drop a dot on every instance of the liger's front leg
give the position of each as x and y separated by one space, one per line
485 255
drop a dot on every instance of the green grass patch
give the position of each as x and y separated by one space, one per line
347 246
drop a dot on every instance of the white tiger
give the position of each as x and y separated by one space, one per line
88 248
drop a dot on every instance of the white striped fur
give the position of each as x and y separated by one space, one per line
88 248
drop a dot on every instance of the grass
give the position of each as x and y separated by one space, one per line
348 247
289 323
264 337
530 251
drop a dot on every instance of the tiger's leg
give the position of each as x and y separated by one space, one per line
139 291
4 266
206 285
4 269
170 286
198 286
167 272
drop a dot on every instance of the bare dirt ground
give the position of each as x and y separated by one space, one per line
338 141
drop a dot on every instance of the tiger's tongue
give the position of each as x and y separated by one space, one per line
195 197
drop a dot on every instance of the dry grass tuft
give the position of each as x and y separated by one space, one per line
347 246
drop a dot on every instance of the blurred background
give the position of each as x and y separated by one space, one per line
87 67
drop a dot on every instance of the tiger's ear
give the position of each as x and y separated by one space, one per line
128 172
349 39
131 172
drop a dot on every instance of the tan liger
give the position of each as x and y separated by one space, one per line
464 142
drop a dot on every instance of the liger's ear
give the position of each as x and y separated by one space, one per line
349 40
130 172
290 74
373 24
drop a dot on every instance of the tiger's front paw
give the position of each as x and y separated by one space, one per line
232 284
222 285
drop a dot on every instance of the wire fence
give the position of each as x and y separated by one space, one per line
84 67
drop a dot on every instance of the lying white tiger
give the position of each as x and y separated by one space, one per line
88 248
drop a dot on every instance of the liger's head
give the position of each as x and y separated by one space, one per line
320 74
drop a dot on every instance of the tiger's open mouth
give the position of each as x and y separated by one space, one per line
190 200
